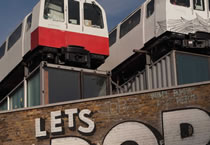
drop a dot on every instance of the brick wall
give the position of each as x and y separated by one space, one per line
172 116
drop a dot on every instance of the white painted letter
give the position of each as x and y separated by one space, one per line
70 113
39 128
56 122
90 123
186 127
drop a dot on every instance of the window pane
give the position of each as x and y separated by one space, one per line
199 5
2 50
15 36
66 87
94 86
93 16
74 12
112 37
3 105
28 22
191 68
17 98
150 8
185 3
54 10
34 90
129 24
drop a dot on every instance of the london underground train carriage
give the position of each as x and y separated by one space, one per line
158 26
71 32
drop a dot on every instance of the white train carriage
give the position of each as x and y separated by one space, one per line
77 27
153 19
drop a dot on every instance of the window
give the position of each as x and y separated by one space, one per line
3 105
66 87
28 22
185 3
150 8
112 37
54 10
130 23
34 90
93 16
199 5
192 68
2 50
15 36
74 12
17 98
94 85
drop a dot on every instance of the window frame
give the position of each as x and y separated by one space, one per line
150 6
125 25
15 36
203 6
2 49
173 3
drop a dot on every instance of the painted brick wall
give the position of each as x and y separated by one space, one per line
178 116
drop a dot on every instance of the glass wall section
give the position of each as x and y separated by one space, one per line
34 90
17 98
192 68
94 85
3 105
64 85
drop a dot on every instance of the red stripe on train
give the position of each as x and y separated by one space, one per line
57 38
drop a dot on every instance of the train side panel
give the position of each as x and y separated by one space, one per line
129 37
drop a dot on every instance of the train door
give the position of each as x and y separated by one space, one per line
74 16
149 23
200 9
27 34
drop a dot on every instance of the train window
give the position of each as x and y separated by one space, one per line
54 10
2 50
93 16
199 5
185 3
150 8
28 22
112 37
15 36
130 23
74 12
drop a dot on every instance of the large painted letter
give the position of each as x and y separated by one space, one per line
128 133
69 141
186 127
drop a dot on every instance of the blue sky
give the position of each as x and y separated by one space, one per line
13 11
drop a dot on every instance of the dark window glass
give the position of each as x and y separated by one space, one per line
209 5
185 3
112 37
3 105
63 86
54 10
192 68
15 36
28 22
74 12
34 90
150 8
130 23
94 85
2 50
199 5
93 16
17 98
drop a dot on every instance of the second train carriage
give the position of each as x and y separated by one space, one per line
77 27
153 19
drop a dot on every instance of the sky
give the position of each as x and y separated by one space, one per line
12 13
